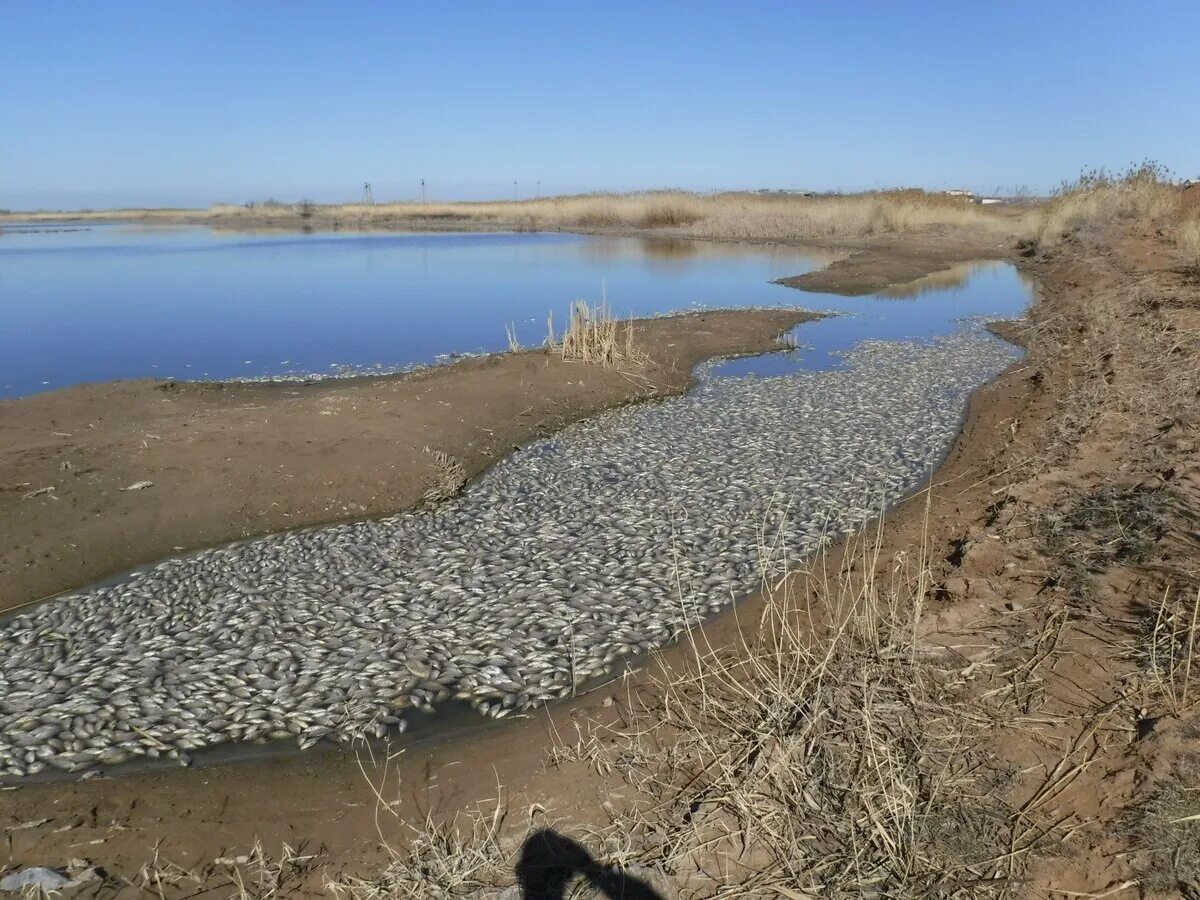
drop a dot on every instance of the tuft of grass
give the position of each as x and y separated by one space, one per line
447 478
1173 655
594 335
1165 830
510 332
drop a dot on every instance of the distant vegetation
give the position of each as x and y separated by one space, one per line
739 216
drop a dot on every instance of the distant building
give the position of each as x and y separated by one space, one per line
959 192
789 192
988 201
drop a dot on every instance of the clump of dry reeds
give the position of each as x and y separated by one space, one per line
593 334
1172 652
818 759
446 478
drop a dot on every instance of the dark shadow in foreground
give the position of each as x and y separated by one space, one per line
549 861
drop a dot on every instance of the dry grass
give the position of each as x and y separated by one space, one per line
1099 201
1166 829
819 758
447 477
594 335
731 215
822 756
1187 239
254 875
1172 656
164 213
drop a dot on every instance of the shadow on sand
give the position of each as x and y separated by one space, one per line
550 861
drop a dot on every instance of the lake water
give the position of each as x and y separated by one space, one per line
86 303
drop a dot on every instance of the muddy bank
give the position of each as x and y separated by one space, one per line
230 461
894 263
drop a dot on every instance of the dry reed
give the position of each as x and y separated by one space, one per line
446 478
594 335
1099 200
730 215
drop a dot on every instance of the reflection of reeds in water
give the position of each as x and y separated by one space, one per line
956 276
946 281
680 253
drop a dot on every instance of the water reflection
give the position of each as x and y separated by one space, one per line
947 281
128 301
922 310
112 301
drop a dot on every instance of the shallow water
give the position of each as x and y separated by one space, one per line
96 302
111 301
925 309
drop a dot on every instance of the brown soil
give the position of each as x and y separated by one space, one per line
237 460
1103 404
1190 198
897 261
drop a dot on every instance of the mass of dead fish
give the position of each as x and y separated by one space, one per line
601 542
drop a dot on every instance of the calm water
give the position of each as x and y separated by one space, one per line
100 302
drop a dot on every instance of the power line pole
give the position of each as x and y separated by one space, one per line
422 190
368 196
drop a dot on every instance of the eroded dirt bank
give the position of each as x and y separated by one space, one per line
237 460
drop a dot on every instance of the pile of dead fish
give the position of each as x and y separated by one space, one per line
601 542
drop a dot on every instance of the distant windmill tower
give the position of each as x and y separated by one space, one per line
368 196
422 190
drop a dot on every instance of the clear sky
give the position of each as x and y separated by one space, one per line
168 102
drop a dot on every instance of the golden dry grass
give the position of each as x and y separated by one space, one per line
1187 239
593 335
814 758
731 215
1099 201
100 215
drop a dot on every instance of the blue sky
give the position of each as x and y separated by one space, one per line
181 103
